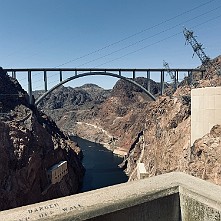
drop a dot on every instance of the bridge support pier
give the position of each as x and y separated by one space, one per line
190 76
45 81
14 74
61 76
176 80
162 83
148 81
133 75
30 88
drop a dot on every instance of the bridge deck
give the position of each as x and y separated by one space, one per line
102 69
80 72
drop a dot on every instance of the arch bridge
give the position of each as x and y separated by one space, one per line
113 72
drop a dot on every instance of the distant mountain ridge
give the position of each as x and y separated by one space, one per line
74 97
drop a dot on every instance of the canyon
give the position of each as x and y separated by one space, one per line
124 120
156 133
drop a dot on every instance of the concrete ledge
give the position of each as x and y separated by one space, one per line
173 196
141 171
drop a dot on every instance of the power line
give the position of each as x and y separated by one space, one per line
168 29
135 34
157 42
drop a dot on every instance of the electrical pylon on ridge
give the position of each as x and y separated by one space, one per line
167 67
171 74
197 47
199 50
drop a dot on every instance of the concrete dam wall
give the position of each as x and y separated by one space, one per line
205 110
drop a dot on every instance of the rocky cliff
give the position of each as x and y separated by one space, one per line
155 133
73 104
165 143
30 143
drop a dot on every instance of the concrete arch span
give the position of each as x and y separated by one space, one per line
90 74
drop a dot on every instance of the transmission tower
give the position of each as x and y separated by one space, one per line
171 74
197 47
199 50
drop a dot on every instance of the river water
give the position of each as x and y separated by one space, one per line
101 166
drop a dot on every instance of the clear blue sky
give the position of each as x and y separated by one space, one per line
49 33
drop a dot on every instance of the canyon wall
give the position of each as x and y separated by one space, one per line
30 143
156 133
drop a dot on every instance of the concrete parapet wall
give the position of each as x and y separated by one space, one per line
168 197
205 110
193 209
